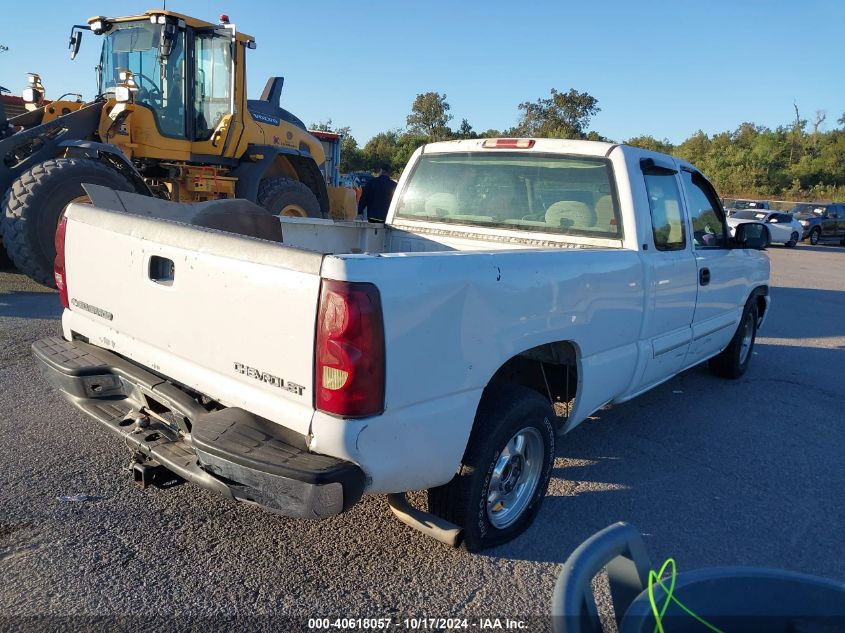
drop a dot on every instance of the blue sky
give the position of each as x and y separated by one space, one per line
660 68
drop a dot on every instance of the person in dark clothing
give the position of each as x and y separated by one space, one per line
377 195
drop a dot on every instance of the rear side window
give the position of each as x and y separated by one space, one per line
523 191
664 201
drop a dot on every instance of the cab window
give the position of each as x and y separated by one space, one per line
212 94
664 201
706 216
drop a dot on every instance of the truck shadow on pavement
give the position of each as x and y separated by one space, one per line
30 305
822 247
713 472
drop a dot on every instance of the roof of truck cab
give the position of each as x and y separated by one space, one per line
541 145
189 21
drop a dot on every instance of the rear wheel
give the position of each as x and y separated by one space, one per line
793 240
288 197
37 200
815 235
734 360
505 471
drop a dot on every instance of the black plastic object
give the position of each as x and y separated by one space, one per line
746 599
254 451
241 217
621 549
150 473
751 600
234 453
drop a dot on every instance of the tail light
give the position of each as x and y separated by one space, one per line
508 143
349 354
59 265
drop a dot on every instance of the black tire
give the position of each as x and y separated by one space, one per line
815 236
286 196
734 360
793 240
506 410
34 203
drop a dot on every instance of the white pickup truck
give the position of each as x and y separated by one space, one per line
517 286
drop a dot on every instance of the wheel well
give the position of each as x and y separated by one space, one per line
760 295
551 370
281 166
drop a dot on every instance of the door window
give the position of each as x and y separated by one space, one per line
213 81
664 201
135 46
708 221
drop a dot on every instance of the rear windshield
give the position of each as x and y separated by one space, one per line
572 195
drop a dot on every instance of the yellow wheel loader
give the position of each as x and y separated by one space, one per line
171 120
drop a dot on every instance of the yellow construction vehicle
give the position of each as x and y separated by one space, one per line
172 120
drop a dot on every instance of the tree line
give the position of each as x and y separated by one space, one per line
797 160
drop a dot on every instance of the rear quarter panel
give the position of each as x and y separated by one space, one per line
452 319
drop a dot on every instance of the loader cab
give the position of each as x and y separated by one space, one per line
183 71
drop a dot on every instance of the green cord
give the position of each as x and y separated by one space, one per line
655 579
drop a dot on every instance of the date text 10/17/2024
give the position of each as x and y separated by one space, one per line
416 624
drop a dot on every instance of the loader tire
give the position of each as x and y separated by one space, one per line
36 201
288 197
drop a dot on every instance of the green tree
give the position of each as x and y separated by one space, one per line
406 145
649 142
430 116
465 130
562 115
351 158
322 126
380 149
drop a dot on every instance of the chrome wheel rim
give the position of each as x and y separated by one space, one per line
747 338
515 477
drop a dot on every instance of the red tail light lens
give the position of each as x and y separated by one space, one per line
349 354
508 143
59 265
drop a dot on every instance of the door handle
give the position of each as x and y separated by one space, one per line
704 276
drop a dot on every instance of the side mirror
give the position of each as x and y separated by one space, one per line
752 235
75 42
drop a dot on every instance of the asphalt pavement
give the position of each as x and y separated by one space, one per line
713 472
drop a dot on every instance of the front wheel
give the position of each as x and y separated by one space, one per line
793 240
37 200
288 197
504 474
815 236
734 360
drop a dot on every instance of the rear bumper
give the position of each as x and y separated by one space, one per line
229 451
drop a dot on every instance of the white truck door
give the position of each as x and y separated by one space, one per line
722 271
671 274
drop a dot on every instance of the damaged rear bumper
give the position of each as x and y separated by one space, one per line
230 451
